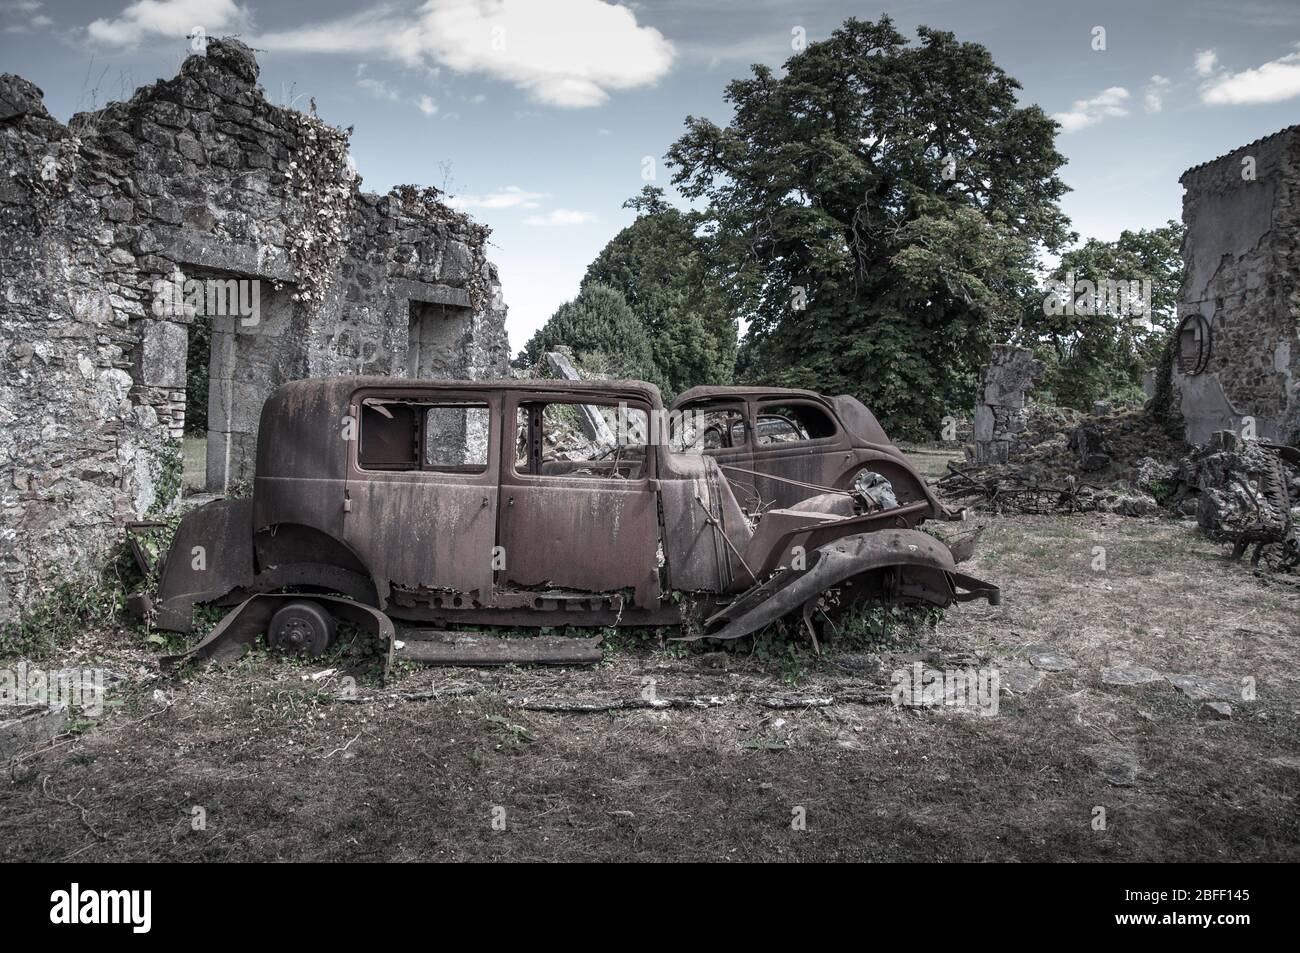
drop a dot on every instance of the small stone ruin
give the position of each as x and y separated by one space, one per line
999 419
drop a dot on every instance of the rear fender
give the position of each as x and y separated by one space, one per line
241 626
211 554
935 579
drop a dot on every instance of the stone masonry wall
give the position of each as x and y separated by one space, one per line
999 419
1242 257
196 176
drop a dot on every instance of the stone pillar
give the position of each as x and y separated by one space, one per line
1000 407
162 372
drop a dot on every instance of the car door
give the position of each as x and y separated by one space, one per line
798 446
422 491
722 429
577 512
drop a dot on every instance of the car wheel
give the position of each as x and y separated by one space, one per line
301 628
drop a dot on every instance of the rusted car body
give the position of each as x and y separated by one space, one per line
782 444
439 503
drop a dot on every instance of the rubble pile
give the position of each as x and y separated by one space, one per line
1065 460
1239 491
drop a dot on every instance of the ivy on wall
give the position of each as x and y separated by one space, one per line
322 180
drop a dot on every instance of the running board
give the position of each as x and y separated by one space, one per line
444 647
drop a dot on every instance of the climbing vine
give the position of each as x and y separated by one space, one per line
427 203
322 179
167 467
1164 406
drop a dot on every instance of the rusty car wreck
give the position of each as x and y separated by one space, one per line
446 503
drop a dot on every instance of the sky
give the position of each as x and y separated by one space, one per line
541 117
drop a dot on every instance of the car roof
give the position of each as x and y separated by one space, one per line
705 391
347 384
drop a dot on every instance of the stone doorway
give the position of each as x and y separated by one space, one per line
239 347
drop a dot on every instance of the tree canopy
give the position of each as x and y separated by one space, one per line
875 214
656 263
601 330
1092 351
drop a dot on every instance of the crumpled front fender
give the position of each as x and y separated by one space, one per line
933 572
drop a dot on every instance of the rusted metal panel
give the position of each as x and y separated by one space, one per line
696 558
417 534
437 647
771 477
211 554
595 535
422 530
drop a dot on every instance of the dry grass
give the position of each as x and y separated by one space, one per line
285 772
931 459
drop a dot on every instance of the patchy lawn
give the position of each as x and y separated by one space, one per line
282 769
931 459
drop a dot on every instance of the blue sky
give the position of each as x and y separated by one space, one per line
539 115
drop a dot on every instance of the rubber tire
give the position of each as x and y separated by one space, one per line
311 628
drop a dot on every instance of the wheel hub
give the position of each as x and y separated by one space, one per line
295 635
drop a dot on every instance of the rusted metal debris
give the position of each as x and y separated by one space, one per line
1273 523
1004 492
446 503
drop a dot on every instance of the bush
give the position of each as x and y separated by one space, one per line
596 325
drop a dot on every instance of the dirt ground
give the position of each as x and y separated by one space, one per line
283 770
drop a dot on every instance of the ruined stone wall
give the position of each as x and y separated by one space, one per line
999 419
195 177
1242 256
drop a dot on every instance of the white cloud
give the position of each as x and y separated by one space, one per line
569 53
174 18
1087 112
561 216
31 22
512 196
376 87
1153 97
1206 61
1272 82
382 89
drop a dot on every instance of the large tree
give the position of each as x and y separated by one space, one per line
601 330
1092 347
875 213
656 263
